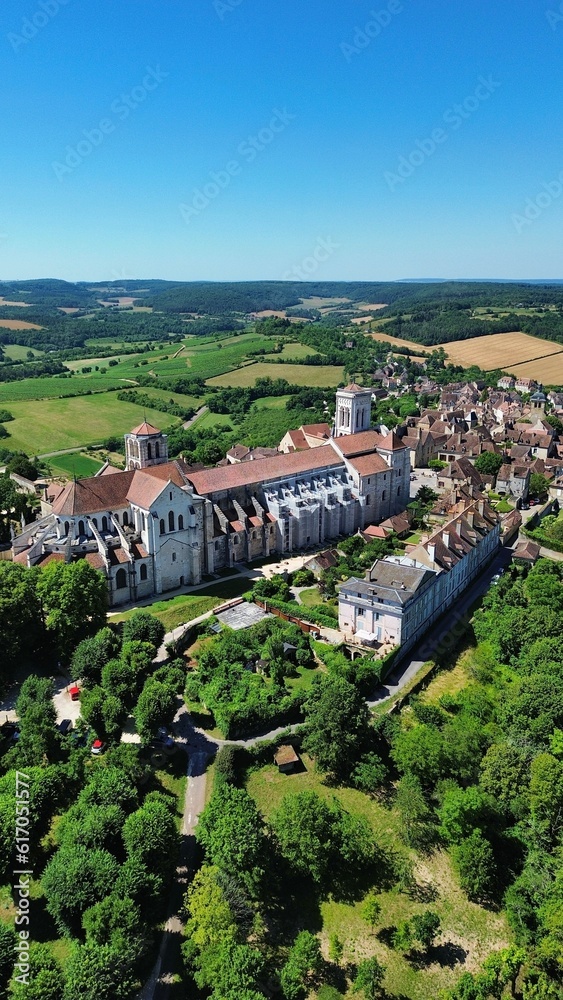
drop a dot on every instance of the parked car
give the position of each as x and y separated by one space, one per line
65 726
74 693
98 747
164 737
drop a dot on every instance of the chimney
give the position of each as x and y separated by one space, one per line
481 507
446 538
470 518
431 549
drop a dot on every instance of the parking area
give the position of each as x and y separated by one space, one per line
423 477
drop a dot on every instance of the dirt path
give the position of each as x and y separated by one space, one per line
196 416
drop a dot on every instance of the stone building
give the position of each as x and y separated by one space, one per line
162 524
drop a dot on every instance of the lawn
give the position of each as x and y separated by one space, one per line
76 464
213 420
48 425
293 351
175 611
17 352
469 932
313 375
310 597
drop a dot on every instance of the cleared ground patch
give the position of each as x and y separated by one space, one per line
5 302
43 426
17 352
500 350
293 351
18 324
317 375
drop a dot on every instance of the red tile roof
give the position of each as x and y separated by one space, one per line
263 470
145 429
354 387
87 496
367 465
95 560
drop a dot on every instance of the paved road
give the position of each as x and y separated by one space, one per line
196 416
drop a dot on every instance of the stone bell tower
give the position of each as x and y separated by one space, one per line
353 410
145 445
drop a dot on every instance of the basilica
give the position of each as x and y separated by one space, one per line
162 524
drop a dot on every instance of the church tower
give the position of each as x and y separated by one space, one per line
145 445
537 402
353 410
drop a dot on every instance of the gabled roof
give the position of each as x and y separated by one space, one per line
369 465
87 496
263 470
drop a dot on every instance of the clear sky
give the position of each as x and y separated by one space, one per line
202 139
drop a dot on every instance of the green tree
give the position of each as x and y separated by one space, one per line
7 957
402 936
336 724
143 627
462 810
369 978
538 484
419 751
75 879
475 864
91 655
414 811
150 834
425 927
304 962
488 463
156 707
99 972
210 919
371 909
74 602
335 949
546 794
46 979
21 627
231 831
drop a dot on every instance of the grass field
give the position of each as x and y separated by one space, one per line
317 375
213 420
185 607
294 351
76 464
469 932
17 352
47 425
501 350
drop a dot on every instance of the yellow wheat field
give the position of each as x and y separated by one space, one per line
501 350
546 370
18 324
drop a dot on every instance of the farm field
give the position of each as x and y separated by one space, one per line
317 375
212 420
398 342
43 426
75 464
17 352
293 351
500 350
547 370
18 324
51 387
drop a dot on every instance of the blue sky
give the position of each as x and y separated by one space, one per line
202 139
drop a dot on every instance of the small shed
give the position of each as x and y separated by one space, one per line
286 758
527 552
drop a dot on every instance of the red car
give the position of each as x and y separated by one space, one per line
98 746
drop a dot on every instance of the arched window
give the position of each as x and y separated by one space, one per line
171 521
157 450
120 579
149 450
94 522
104 523
66 528
180 522
162 528
81 528
125 518
143 571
